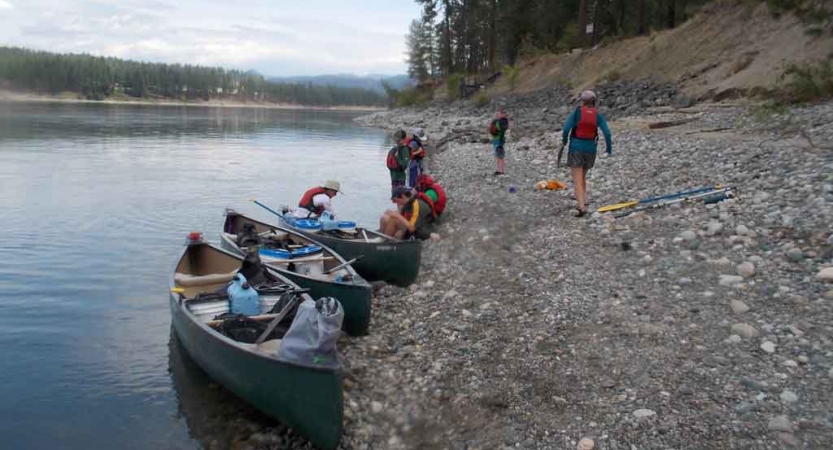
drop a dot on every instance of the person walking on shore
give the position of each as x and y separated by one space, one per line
398 159
582 129
498 129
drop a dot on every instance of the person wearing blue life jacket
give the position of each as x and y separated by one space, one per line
582 128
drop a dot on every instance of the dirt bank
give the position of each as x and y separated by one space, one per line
729 48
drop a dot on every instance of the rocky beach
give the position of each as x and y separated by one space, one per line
691 326
688 327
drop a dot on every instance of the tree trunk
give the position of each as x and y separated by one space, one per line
671 19
621 23
597 18
492 35
642 29
582 23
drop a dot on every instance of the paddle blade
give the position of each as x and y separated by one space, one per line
617 206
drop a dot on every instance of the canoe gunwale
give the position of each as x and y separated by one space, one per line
182 304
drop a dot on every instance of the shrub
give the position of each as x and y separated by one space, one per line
807 83
412 97
482 100
512 73
452 86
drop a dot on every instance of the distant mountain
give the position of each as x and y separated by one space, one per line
372 82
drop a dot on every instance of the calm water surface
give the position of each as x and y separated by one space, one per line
95 202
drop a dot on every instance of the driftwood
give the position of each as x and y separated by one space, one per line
670 123
710 130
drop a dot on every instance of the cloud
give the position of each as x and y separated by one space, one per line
4 4
313 37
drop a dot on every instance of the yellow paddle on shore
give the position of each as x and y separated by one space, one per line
633 203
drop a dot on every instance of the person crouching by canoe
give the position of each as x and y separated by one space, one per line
416 146
497 129
582 129
316 200
426 185
412 218
398 159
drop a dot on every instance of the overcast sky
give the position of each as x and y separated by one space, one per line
274 37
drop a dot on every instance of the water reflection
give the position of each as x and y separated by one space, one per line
216 419
96 201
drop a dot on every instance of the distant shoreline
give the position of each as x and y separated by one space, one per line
29 97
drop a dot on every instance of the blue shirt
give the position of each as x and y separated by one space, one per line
585 145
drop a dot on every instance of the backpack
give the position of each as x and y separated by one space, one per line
586 127
392 162
493 128
420 152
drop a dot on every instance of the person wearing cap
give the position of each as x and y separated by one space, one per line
412 218
398 159
582 129
415 140
498 129
316 200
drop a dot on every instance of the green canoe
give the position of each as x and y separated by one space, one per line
344 284
383 258
309 400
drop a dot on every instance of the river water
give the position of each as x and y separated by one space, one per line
95 202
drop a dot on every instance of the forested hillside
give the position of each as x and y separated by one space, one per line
97 78
472 36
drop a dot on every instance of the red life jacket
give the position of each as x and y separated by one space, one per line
587 127
425 182
419 153
307 203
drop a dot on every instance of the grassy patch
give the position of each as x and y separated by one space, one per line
452 86
564 81
482 100
767 110
512 73
612 75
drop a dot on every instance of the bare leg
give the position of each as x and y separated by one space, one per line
579 186
387 225
501 165
584 184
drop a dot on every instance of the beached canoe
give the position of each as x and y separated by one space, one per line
310 400
382 257
304 261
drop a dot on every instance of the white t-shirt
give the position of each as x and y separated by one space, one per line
317 200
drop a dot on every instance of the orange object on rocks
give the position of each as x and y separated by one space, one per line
550 185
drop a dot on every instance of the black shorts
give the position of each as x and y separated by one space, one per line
585 160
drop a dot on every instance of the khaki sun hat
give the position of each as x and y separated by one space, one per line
332 184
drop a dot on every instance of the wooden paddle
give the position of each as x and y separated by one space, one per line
289 305
290 261
344 265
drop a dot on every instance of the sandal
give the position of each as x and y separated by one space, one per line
580 212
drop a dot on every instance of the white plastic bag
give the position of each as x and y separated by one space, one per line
311 339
